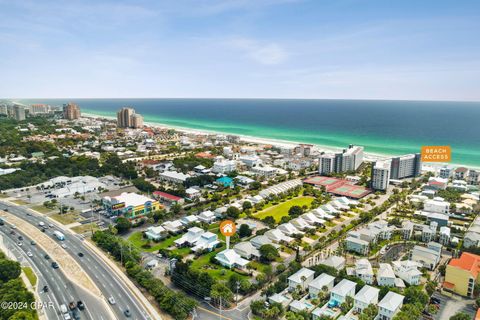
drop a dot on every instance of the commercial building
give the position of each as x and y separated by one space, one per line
381 175
71 111
461 274
130 205
348 160
18 113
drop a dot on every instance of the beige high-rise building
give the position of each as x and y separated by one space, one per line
71 111
137 121
127 118
19 113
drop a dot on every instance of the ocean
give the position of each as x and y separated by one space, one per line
382 127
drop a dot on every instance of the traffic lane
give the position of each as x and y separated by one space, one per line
108 284
42 279
64 289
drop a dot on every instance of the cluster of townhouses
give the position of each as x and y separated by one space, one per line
305 281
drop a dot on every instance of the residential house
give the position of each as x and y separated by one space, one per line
407 270
207 216
231 259
208 241
323 281
174 226
336 262
246 250
289 229
156 233
363 270
437 205
190 238
312 220
407 229
444 236
341 291
301 278
428 257
278 236
385 275
260 240
389 306
300 224
189 220
366 296
357 245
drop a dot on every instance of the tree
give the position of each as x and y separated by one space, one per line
295 211
347 304
9 270
123 225
221 294
369 313
233 212
247 205
461 316
244 231
268 253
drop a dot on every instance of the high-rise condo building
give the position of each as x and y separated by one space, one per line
406 166
381 174
71 111
18 112
127 118
348 160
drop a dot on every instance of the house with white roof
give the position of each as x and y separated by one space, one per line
336 262
280 298
231 259
289 229
188 220
437 205
173 177
246 250
207 216
207 241
357 245
174 226
301 278
189 238
389 306
407 270
278 236
156 233
322 214
428 257
300 224
363 270
319 283
260 240
444 235
385 276
341 291
312 219
366 296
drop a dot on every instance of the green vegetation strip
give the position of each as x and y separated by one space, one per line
280 210
32 277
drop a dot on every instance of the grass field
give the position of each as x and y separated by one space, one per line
67 218
41 209
20 202
85 228
281 210
138 241
32 277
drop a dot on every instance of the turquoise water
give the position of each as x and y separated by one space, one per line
384 127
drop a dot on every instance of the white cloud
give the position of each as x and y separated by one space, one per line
263 53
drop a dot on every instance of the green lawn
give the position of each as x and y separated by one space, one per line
85 228
67 218
32 277
138 241
281 210
20 202
41 209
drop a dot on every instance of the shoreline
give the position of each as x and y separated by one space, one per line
368 156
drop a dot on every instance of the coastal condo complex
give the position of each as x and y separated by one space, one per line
346 161
71 111
406 166
128 118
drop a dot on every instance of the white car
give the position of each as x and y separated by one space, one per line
14 226
29 254
111 300
19 244
64 246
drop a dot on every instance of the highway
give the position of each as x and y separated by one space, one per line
60 289
106 280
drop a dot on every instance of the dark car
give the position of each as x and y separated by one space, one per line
55 265
76 314
20 238
33 243
80 254
47 257
80 305
43 229
127 313
72 305
435 300
12 232
45 288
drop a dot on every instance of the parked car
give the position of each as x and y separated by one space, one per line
111 300
55 265
80 305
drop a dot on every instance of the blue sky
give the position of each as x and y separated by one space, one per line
350 49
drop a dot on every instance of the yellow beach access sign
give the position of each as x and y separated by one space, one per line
436 154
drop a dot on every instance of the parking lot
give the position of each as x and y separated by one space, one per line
449 306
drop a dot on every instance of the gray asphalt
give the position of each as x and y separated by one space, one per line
60 289
109 284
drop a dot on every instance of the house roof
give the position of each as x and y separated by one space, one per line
297 276
367 294
322 280
385 271
467 261
166 195
391 301
343 287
